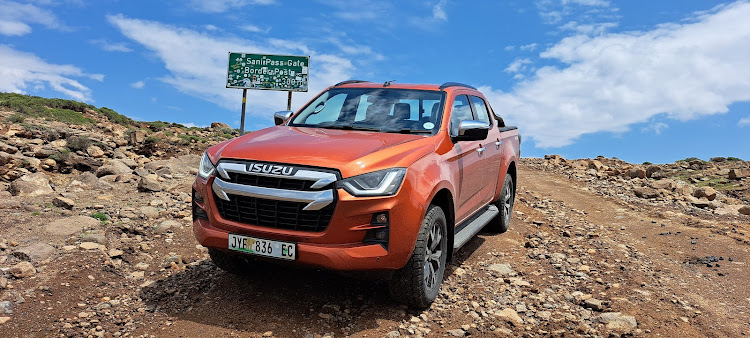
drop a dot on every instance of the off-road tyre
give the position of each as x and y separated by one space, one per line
415 284
234 264
501 222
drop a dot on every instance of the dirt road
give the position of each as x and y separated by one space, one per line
573 263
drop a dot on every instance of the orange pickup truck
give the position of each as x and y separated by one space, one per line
365 177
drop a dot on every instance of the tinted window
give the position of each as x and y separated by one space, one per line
461 111
480 109
386 110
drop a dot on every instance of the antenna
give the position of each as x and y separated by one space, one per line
388 83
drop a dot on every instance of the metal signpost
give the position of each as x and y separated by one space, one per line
267 72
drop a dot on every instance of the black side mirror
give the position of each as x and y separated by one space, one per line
280 117
472 130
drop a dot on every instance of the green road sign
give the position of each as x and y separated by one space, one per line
270 72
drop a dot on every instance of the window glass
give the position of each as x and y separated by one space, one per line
461 111
480 109
376 109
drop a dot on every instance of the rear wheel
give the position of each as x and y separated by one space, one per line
418 282
501 222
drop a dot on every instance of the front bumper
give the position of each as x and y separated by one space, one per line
340 246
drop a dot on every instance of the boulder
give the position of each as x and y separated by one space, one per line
511 316
166 226
35 252
745 210
646 192
149 184
113 167
31 185
22 270
637 173
62 202
71 225
737 174
95 151
707 192
596 164
501 269
651 170
137 137
615 321
220 125
664 184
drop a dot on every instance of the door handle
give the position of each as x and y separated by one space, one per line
480 150
498 144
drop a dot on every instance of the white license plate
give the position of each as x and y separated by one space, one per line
263 247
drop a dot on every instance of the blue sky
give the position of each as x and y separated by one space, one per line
650 81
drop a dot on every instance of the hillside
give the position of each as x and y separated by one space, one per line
96 240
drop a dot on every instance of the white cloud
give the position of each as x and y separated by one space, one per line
745 121
682 71
20 69
219 6
587 12
438 11
110 46
529 47
588 29
655 127
197 63
138 84
595 3
518 65
255 29
16 17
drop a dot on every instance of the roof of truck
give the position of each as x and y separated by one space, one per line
392 84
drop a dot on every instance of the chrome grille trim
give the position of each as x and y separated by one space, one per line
321 179
316 199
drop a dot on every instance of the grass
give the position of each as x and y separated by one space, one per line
100 216
76 143
61 110
718 183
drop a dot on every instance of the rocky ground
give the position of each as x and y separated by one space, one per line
99 243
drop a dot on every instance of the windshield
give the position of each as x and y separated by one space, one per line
375 109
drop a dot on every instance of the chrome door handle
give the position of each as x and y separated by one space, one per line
480 150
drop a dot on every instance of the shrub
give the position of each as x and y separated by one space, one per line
16 118
733 159
100 216
718 159
691 159
647 163
76 143
61 156
157 125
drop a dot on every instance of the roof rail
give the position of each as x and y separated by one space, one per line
348 82
454 84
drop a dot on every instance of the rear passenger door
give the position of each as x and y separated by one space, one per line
493 150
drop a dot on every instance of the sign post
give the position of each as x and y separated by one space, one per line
267 72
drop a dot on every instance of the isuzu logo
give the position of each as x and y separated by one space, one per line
272 169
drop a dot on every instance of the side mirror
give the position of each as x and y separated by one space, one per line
472 130
280 116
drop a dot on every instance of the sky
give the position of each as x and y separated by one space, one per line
640 80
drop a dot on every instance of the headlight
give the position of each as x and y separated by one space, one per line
206 167
380 183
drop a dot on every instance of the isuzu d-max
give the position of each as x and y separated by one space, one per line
365 177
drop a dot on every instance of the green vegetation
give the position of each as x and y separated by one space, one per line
16 118
152 139
76 143
100 216
647 163
718 183
718 159
691 159
66 111
733 159
36 213
61 156
187 139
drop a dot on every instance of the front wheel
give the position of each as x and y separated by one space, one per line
418 282
501 222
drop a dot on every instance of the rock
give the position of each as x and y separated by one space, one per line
596 164
89 245
113 167
707 192
502 269
6 307
4 320
220 125
745 210
95 151
637 173
150 212
62 202
149 184
137 137
22 270
651 170
96 237
113 253
510 316
35 252
645 192
617 322
664 184
166 226
457 332
71 225
594 304
737 174
31 185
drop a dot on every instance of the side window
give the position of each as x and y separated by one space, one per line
461 111
330 112
480 108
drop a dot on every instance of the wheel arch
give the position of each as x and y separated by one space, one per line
444 199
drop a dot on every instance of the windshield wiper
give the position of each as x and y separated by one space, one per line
347 127
407 131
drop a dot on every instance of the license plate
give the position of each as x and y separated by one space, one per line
263 247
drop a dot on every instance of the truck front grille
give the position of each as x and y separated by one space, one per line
274 214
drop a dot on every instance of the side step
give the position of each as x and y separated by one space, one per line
475 224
